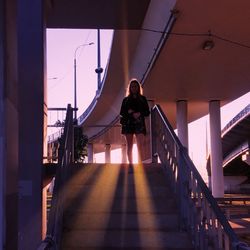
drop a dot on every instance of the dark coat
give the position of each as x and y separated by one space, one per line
129 124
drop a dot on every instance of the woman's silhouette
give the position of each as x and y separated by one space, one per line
134 109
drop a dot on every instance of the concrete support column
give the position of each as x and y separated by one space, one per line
90 153
31 74
124 153
107 153
8 126
217 177
2 128
182 124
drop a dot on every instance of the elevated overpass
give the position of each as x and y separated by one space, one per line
163 44
235 144
235 150
236 136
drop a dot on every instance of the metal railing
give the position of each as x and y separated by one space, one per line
200 214
56 119
66 154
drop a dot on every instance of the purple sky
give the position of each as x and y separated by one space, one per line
61 47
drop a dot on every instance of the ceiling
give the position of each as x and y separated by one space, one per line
93 14
184 71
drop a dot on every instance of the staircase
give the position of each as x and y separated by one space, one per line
113 206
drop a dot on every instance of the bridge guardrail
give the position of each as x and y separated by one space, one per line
238 117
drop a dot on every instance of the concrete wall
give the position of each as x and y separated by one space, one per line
232 183
9 126
2 127
22 112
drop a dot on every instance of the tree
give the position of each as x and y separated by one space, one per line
80 145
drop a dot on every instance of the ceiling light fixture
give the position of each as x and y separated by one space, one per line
208 45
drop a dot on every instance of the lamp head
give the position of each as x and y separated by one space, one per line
208 45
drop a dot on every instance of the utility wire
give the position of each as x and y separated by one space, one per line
59 80
233 42
209 34
85 42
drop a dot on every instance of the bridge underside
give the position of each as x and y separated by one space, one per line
182 70
93 14
237 167
236 136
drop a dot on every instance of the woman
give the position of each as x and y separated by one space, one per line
134 109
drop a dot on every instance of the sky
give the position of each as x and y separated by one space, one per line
61 48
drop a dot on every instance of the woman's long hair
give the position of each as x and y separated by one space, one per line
129 92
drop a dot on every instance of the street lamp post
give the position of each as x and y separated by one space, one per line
75 88
99 69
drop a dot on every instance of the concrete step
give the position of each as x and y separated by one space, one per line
127 191
80 239
120 207
127 248
87 174
119 221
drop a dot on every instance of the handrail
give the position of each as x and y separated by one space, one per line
199 212
58 124
66 153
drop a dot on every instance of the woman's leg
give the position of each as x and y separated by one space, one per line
129 139
140 142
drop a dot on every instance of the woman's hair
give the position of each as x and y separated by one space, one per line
134 80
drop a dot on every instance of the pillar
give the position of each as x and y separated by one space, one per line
8 126
31 74
107 153
90 153
182 124
2 126
217 177
124 153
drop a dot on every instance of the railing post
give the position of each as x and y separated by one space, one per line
74 123
182 185
153 136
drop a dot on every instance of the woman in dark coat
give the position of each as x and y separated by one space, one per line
134 109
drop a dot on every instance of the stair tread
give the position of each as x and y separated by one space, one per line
131 206
97 238
126 248
121 221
